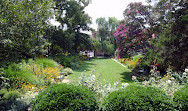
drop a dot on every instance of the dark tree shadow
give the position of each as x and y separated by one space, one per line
127 77
85 66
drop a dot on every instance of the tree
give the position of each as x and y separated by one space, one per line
73 20
170 45
106 28
131 34
22 26
102 28
105 31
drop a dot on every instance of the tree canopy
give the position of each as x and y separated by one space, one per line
22 25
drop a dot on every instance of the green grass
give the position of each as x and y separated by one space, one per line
109 70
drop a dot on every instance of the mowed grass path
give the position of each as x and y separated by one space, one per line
108 70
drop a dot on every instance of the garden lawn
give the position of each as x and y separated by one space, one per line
109 71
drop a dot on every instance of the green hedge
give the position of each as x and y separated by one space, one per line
135 98
46 62
181 99
65 97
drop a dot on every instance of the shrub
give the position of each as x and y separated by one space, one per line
46 62
67 71
17 76
101 89
181 99
68 60
135 98
32 74
65 97
9 102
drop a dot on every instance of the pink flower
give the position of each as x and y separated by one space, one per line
29 108
153 36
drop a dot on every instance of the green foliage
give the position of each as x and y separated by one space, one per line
169 46
137 57
71 61
104 43
137 98
106 28
8 101
45 62
31 74
104 48
65 97
67 71
108 48
12 95
181 99
18 75
4 82
73 19
22 29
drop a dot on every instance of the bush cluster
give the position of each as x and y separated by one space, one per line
67 71
8 101
46 62
135 98
133 62
70 61
65 97
27 75
181 99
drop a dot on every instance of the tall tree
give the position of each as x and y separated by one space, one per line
170 44
105 31
102 30
74 20
106 28
22 25
131 33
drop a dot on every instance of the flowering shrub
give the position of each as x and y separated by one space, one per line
130 35
170 82
32 76
102 90
131 62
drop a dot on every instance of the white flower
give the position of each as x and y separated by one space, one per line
145 83
93 76
124 85
168 81
133 77
186 70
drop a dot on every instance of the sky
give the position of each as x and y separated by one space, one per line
107 8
